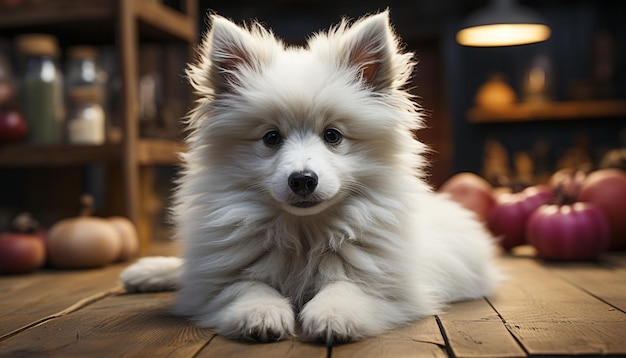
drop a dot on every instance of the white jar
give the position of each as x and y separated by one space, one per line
86 124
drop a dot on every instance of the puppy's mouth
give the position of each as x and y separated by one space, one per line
306 203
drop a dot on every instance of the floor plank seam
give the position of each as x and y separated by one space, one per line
442 346
73 308
507 326
446 341
206 344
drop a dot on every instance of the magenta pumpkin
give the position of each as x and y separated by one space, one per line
606 188
568 232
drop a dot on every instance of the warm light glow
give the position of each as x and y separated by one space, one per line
536 79
502 35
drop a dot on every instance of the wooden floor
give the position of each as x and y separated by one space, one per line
544 309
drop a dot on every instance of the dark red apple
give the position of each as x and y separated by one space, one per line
21 253
13 126
472 192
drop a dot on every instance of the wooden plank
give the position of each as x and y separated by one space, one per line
421 339
123 325
222 347
606 280
27 299
165 19
550 316
474 329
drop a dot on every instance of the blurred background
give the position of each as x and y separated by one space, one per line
508 113
582 60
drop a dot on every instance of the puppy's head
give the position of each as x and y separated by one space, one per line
307 127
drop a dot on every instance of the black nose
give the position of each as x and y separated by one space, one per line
303 183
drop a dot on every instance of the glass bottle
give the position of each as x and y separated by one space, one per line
41 87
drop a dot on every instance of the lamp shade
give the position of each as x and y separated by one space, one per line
502 23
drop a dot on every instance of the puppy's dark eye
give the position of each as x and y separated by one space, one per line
272 139
332 136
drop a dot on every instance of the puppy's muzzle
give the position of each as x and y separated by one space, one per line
302 183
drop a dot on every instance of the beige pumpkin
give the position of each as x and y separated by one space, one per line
83 241
128 237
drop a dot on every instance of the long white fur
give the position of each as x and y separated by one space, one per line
380 250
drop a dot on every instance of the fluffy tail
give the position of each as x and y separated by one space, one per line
152 274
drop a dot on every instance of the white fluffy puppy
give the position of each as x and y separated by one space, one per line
302 207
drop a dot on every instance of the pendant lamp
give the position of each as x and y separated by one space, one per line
502 23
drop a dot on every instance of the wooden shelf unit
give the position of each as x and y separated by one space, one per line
125 23
526 112
155 18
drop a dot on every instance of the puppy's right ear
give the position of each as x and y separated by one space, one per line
228 53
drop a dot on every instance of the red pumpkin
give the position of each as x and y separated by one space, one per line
472 192
568 232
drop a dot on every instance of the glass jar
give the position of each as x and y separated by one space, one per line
82 67
86 124
41 87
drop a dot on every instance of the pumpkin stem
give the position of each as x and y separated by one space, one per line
25 223
86 205
567 192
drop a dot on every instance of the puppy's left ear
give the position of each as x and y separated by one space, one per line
372 47
229 52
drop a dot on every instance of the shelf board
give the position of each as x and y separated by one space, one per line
526 112
47 13
46 155
159 151
150 151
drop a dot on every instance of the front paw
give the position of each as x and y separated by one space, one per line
152 274
261 316
341 312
